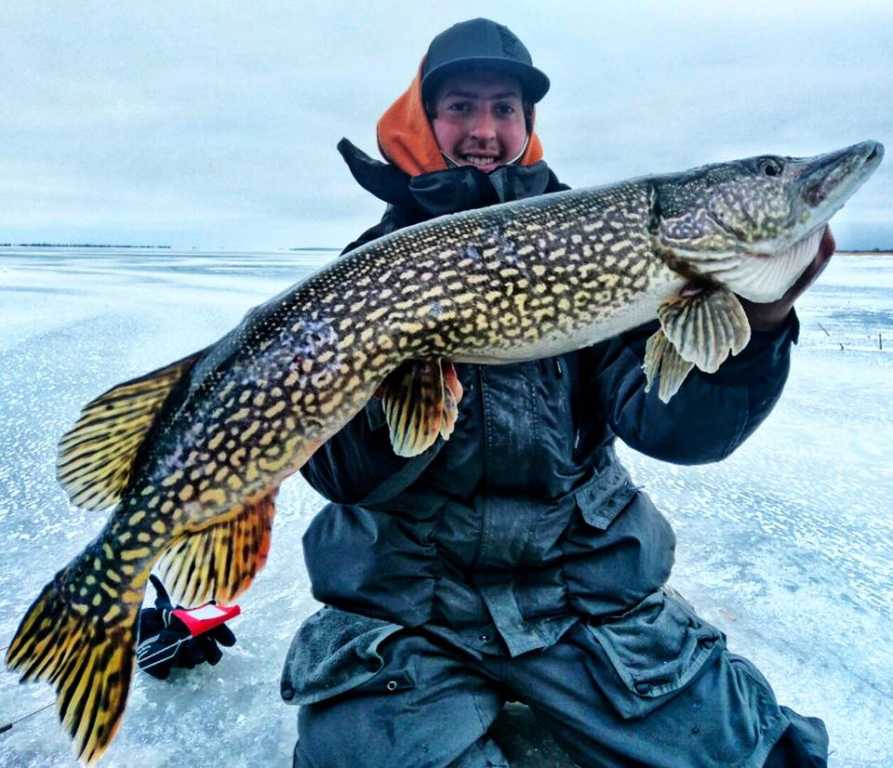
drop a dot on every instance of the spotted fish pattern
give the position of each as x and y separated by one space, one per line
190 457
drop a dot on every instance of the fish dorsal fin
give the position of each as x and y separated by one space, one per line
219 562
699 329
419 404
95 459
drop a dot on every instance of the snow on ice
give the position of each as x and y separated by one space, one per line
787 545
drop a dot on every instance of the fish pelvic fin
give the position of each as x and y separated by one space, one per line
82 642
96 456
420 400
700 329
220 561
452 391
663 363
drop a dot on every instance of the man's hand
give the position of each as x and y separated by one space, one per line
767 317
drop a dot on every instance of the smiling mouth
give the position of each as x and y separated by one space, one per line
479 161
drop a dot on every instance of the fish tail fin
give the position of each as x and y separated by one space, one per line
84 653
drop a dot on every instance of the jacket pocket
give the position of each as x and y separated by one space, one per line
651 653
605 496
336 651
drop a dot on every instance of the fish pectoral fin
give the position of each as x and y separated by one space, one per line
705 327
220 561
95 458
697 329
420 400
663 362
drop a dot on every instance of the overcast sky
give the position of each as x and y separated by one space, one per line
214 124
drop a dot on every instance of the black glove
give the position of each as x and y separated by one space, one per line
164 641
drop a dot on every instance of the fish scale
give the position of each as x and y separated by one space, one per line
511 276
190 457
320 371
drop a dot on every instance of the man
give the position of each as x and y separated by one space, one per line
517 561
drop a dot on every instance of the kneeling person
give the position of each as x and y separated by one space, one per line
517 561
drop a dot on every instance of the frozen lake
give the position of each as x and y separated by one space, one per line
787 546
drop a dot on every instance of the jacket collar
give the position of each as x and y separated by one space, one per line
445 191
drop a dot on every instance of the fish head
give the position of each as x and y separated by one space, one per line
754 225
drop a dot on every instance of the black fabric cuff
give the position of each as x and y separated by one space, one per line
768 351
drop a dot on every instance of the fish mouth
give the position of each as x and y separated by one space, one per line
828 181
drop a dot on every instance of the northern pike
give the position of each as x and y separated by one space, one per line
190 457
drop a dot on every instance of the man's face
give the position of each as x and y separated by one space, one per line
480 119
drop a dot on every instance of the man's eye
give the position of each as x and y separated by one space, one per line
505 109
459 106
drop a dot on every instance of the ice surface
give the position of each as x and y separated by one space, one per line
787 545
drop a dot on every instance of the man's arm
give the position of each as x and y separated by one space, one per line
712 414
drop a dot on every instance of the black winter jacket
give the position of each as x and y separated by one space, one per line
524 521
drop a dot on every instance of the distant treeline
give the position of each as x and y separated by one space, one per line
76 245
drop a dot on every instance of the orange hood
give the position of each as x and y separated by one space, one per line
405 137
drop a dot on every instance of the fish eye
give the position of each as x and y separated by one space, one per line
769 166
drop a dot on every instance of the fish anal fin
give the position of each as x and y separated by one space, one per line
220 561
420 401
96 456
705 327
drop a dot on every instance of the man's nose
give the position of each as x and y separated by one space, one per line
483 125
